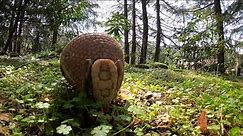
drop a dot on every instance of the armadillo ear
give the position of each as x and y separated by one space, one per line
120 71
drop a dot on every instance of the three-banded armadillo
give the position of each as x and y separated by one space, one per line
94 61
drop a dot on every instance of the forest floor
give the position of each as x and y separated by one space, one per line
35 99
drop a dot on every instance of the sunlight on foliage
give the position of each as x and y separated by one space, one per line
101 130
64 129
42 105
166 101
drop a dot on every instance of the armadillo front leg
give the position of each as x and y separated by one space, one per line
87 76
104 76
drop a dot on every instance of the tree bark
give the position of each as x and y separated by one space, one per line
145 33
158 37
238 63
220 31
54 36
12 28
126 44
133 57
36 44
18 38
14 42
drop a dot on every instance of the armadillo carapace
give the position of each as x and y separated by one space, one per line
94 61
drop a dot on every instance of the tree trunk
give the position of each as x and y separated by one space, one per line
158 37
238 64
18 38
220 31
36 47
14 41
126 44
145 34
36 44
54 36
1 42
12 28
133 57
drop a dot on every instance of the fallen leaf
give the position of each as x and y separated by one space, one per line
5 117
124 94
133 89
4 131
2 100
202 122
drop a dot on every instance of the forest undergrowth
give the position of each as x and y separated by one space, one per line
35 99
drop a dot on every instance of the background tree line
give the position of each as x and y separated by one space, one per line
194 31
33 25
201 31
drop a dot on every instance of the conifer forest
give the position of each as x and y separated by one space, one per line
121 67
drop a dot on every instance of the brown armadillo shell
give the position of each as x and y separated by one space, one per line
88 46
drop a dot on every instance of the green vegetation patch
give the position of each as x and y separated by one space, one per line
36 100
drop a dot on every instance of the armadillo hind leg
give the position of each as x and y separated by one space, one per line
104 76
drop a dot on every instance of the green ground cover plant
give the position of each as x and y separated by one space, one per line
35 99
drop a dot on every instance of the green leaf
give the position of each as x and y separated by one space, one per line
72 122
29 119
101 130
214 127
235 131
68 105
64 129
41 105
125 117
135 110
138 132
18 117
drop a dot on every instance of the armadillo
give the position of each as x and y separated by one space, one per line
94 62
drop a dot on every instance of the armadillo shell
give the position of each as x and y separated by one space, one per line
73 59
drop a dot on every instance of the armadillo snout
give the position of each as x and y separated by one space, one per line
104 76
